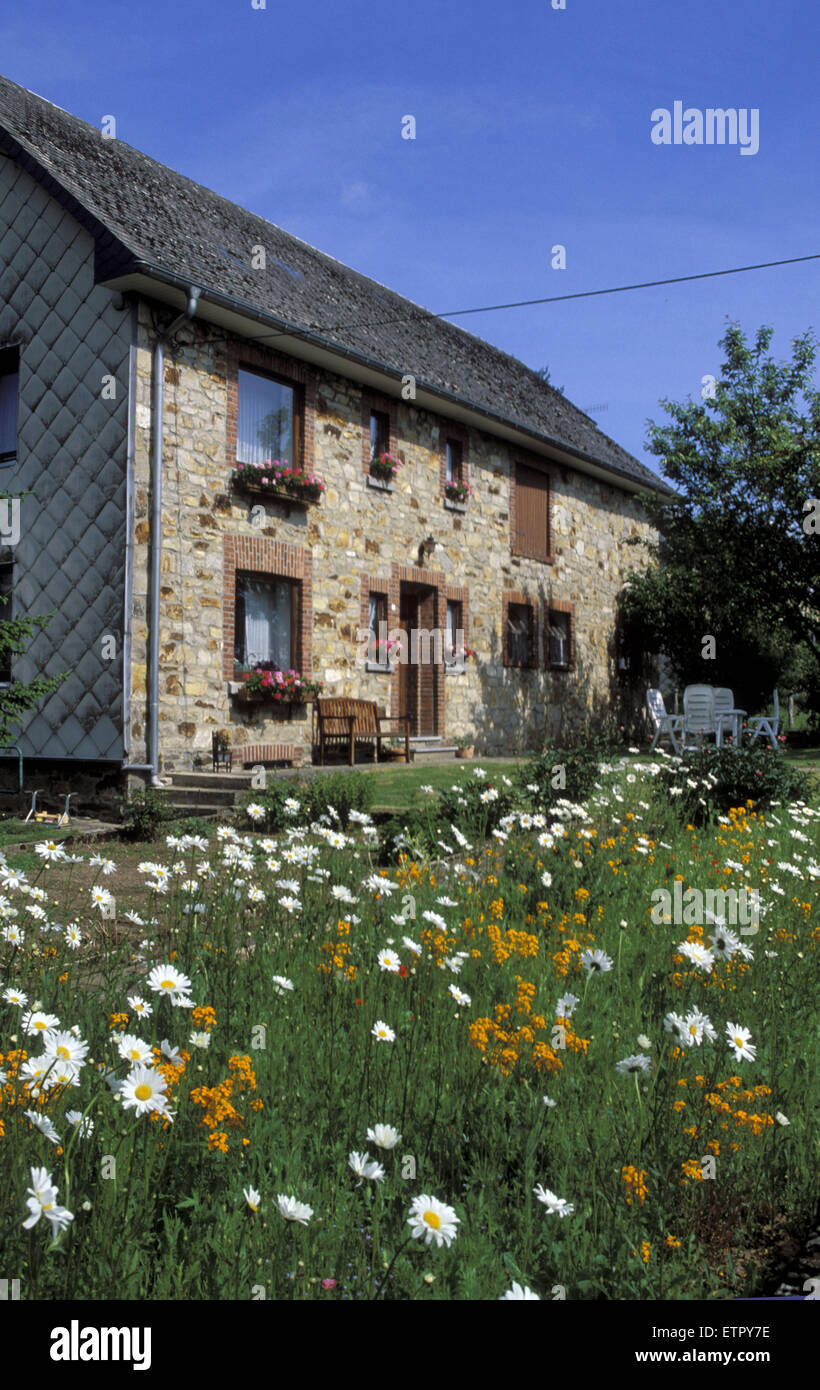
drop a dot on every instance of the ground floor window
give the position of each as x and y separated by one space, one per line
267 622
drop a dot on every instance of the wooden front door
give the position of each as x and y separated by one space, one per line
417 683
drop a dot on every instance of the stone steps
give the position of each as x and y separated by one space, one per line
205 794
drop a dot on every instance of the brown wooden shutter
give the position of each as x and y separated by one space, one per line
532 512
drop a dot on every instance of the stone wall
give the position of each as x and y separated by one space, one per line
357 536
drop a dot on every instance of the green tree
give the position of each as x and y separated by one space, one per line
734 559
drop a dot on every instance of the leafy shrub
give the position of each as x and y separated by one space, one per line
725 777
318 796
143 814
575 769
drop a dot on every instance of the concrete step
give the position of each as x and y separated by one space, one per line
201 796
233 781
202 811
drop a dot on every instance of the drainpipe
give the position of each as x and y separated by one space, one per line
158 395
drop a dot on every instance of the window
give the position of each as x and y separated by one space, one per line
453 459
454 635
520 634
6 585
559 635
267 623
9 380
530 513
379 434
377 649
268 420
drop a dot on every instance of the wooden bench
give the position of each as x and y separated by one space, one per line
348 722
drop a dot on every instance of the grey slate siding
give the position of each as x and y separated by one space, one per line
72 461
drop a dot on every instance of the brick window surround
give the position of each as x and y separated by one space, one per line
516 596
555 606
255 555
253 358
540 548
374 400
448 429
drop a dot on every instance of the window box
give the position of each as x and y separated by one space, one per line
455 490
381 483
280 481
454 668
267 685
379 668
454 506
384 467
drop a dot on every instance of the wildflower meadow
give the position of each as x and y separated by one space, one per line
329 1063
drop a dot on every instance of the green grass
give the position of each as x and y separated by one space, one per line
398 786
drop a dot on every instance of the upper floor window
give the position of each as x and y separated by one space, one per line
453 461
267 622
379 434
9 382
531 536
268 420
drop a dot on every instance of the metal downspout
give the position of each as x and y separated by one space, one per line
157 405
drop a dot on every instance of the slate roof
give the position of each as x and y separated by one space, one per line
145 214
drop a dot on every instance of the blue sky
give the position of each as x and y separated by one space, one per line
532 129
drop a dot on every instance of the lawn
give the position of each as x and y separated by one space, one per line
275 1069
398 787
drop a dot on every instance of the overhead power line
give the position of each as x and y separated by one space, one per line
561 298
620 289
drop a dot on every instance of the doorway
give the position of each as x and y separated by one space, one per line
418 686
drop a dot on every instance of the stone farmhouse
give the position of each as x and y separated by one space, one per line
157 345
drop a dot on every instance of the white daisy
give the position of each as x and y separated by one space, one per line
433 1220
519 1293
384 1136
292 1210
144 1090
556 1206
389 961
738 1039
382 1032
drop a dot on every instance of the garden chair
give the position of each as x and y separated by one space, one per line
699 713
727 718
662 723
766 726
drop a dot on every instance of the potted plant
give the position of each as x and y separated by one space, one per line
385 467
465 748
278 479
458 492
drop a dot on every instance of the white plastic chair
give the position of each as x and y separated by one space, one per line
727 718
766 726
699 712
663 723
